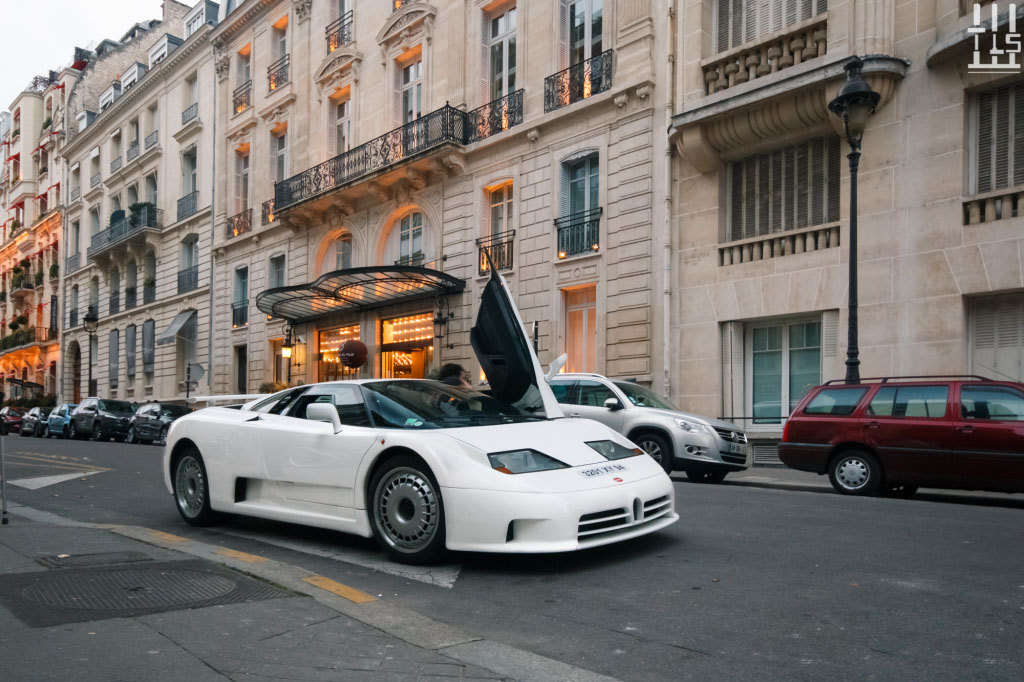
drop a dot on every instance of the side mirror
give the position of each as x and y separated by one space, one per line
613 404
323 412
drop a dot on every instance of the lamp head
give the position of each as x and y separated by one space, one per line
91 322
855 102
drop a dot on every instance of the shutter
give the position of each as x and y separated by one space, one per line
830 333
817 181
148 346
806 9
113 352
1018 147
749 199
732 369
984 144
563 34
832 186
736 201
776 185
563 197
763 194
750 12
1002 139
801 181
485 58
789 190
397 110
723 25
790 12
238 183
332 127
129 350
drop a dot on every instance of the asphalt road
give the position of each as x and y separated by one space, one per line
753 583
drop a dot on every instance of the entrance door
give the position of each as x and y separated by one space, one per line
408 346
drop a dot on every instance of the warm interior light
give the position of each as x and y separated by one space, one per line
286 351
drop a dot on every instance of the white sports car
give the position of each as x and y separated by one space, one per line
422 466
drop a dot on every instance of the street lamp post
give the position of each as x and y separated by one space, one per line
91 321
854 103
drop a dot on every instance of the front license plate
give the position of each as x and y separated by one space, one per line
603 470
738 448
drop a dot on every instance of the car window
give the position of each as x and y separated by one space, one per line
592 393
836 401
172 411
117 406
279 402
562 390
991 402
347 400
927 402
641 396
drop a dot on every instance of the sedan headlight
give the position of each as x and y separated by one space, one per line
687 425
609 449
523 461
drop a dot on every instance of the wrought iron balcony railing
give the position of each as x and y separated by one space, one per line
415 259
277 73
268 212
149 293
579 233
579 81
114 304
130 298
190 113
241 98
115 165
494 117
499 248
339 32
188 279
152 138
240 313
44 334
240 223
143 218
72 263
132 151
94 180
188 205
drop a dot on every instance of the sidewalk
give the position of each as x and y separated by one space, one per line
169 609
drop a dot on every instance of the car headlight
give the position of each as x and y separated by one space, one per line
609 449
523 461
687 425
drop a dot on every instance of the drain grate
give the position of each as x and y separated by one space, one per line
76 595
100 559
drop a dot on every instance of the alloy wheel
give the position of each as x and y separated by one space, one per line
407 510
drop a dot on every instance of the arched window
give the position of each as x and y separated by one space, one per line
338 255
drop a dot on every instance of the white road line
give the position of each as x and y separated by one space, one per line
43 481
443 575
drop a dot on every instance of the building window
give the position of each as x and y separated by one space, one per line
241 369
275 274
338 255
241 181
580 184
500 39
148 350
412 91
997 336
744 21
240 306
129 351
76 230
279 155
997 159
189 172
500 201
410 239
581 329
186 346
582 30
784 362
151 196
189 252
785 189
114 354
244 66
339 132
94 221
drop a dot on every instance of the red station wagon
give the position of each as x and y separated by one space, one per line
895 434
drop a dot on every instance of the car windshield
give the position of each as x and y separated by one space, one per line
116 406
644 397
433 405
174 410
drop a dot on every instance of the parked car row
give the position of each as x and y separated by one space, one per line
96 419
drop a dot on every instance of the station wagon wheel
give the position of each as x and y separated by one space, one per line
406 511
191 489
855 473
656 446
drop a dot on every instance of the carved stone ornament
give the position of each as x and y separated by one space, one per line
533 135
336 65
408 24
378 190
302 9
222 65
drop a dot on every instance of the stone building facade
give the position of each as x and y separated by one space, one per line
761 192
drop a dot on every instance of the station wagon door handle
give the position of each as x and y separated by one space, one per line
872 425
965 429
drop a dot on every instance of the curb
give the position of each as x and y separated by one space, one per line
781 485
405 624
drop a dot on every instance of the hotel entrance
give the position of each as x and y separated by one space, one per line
330 343
407 346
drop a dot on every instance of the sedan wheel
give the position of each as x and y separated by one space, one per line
131 435
163 437
855 473
656 446
407 511
191 491
97 433
46 431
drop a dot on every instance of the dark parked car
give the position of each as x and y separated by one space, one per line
895 434
59 422
101 419
152 420
11 417
34 421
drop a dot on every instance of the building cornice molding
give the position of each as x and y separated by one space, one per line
238 21
402 22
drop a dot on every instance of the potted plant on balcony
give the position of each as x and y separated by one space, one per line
24 263
15 224
140 211
54 271
13 326
3 296
46 124
21 320
43 169
16 278
130 290
39 278
150 282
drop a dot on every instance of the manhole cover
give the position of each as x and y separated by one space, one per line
75 595
99 559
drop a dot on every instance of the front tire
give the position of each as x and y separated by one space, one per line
192 490
97 433
73 432
855 473
162 441
131 438
406 511
658 448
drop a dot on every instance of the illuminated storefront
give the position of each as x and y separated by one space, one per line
330 343
407 346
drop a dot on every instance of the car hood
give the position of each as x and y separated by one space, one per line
563 439
674 414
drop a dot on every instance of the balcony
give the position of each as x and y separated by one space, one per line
190 113
777 245
499 248
149 293
114 303
72 263
188 205
132 152
494 117
188 279
415 260
579 81
27 337
239 314
128 229
22 287
277 73
130 298
268 212
579 233
240 223
339 32
94 180
241 98
115 165
152 139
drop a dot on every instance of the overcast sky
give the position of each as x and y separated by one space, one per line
40 35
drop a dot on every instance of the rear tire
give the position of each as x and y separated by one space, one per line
658 448
855 472
406 511
192 489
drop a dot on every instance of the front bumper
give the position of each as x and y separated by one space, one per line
711 450
113 428
518 522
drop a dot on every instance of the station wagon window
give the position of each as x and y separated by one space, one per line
928 402
836 401
991 402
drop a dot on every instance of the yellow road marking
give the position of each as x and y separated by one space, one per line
63 464
166 537
241 556
337 588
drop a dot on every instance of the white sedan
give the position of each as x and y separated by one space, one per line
422 466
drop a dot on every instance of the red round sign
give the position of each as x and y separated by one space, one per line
353 353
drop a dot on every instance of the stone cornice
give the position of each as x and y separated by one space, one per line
959 41
238 21
160 72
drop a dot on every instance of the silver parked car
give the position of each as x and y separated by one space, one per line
706 449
